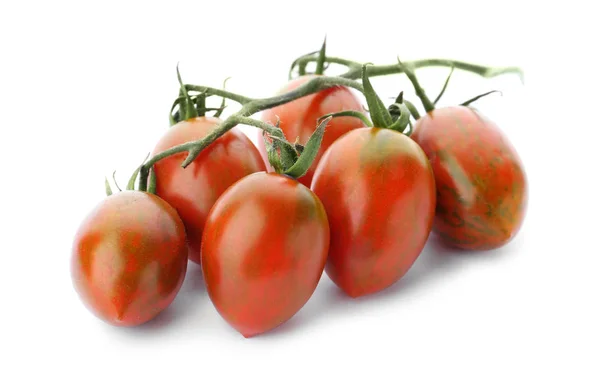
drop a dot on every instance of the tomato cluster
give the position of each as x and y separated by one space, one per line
328 189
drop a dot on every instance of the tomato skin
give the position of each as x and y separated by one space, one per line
379 193
194 190
299 118
481 183
264 249
129 258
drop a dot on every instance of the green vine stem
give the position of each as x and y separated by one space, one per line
355 68
249 107
300 69
413 110
396 117
441 93
470 101
408 70
427 104
301 62
220 93
266 127
348 113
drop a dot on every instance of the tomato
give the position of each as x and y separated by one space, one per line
129 258
481 183
379 193
264 249
194 190
298 119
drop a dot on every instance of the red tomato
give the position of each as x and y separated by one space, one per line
481 183
379 193
299 118
194 190
129 258
264 249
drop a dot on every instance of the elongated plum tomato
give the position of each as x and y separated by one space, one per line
379 193
194 190
298 119
481 183
129 258
263 252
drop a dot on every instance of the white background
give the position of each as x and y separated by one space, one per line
85 88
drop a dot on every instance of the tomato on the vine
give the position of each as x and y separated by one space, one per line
481 182
263 252
298 119
379 193
129 258
194 190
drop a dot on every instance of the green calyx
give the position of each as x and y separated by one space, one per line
379 113
470 101
187 109
249 107
139 170
294 160
131 184
396 117
107 187
282 155
321 59
193 106
349 113
107 184
439 96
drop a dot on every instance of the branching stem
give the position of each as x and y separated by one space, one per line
250 106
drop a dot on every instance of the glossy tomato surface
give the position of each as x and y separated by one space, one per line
379 193
299 118
264 249
481 182
129 258
194 190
